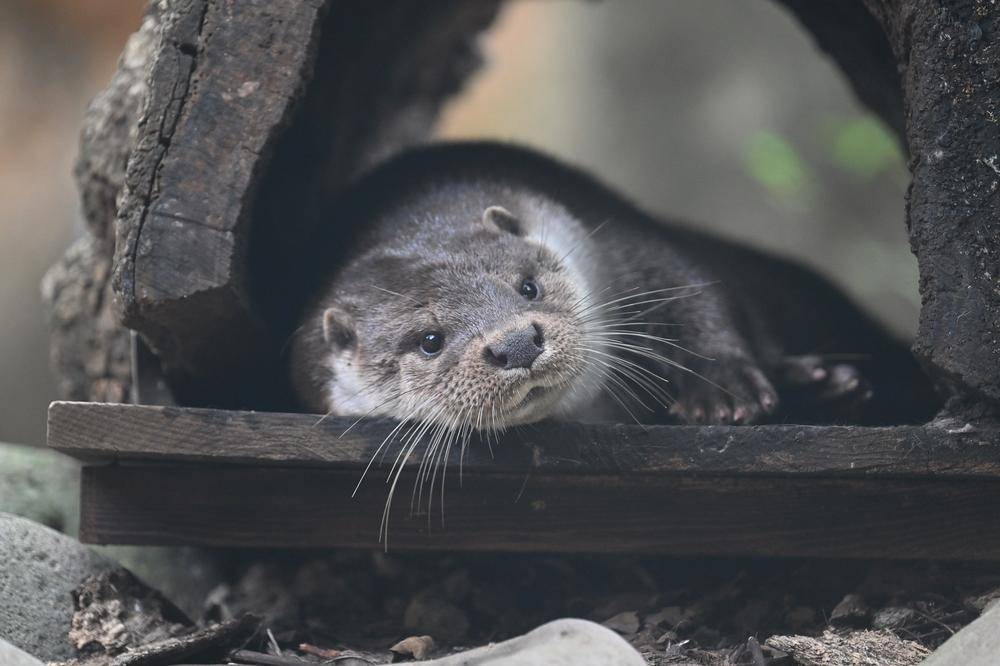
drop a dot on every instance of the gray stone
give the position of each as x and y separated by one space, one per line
852 611
40 485
428 614
12 656
38 569
184 575
44 486
626 622
558 643
985 602
893 617
978 644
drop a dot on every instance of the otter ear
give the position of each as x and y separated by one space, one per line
338 327
502 220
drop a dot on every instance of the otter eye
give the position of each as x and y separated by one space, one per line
529 289
431 343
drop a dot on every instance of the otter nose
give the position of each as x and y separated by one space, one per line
516 349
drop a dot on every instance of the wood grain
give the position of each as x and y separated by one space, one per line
252 507
92 431
168 475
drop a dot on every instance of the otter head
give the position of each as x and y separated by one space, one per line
467 319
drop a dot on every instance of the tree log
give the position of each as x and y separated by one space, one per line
238 121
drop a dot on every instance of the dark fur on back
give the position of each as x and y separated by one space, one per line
758 337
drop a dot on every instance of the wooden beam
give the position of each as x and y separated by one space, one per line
94 431
294 507
221 478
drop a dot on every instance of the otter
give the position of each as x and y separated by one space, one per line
484 285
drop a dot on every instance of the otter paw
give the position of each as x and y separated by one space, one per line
818 390
725 393
822 382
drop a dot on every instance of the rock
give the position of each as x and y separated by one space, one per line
984 602
12 656
669 615
893 617
184 575
799 617
417 647
667 637
858 648
44 486
40 485
978 644
623 623
212 644
39 569
558 643
115 611
619 603
852 611
429 614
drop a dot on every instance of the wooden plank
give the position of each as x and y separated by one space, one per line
91 431
224 478
297 507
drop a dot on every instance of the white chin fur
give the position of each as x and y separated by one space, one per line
348 394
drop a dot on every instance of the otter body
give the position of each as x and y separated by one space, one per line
485 285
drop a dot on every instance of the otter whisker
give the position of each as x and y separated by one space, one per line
440 462
396 293
411 440
392 398
660 301
416 497
381 446
583 240
609 374
432 455
607 323
619 359
613 335
635 372
645 351
650 292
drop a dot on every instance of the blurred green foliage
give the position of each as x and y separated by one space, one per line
863 146
772 161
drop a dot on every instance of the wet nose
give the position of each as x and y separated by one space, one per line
516 349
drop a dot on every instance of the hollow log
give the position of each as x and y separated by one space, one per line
238 120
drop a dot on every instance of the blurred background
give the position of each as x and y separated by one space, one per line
717 113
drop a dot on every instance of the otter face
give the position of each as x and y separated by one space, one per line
471 324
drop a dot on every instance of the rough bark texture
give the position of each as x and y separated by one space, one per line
950 52
89 350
